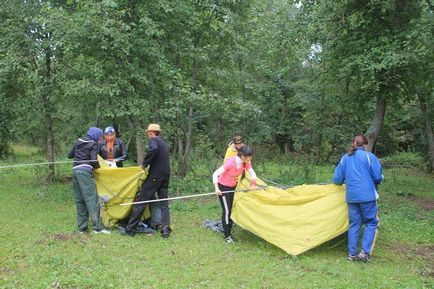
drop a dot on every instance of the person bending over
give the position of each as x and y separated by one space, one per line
225 181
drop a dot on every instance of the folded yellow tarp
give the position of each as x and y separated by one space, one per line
120 185
296 219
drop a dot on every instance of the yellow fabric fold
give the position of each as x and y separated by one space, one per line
119 185
295 219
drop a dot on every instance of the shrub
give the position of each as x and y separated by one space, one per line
404 159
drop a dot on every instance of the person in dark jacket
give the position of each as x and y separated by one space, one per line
84 152
157 163
362 172
112 148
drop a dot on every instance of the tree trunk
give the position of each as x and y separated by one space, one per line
137 133
321 125
50 144
377 123
184 160
180 147
274 138
48 112
289 145
140 147
428 128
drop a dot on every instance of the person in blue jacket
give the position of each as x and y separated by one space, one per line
361 172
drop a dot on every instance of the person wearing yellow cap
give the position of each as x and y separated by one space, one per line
158 164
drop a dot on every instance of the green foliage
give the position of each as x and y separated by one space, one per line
300 78
5 129
404 159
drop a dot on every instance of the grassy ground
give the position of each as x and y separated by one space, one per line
40 249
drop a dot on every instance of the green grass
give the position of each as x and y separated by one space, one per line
40 249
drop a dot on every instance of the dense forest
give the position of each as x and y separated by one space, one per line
295 78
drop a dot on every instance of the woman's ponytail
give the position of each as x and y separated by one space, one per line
358 141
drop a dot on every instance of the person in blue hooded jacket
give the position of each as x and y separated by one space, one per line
361 172
84 152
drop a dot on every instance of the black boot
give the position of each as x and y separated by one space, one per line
165 232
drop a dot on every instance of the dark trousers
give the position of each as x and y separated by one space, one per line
226 201
86 200
147 192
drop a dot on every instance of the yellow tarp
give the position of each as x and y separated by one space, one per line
296 219
120 185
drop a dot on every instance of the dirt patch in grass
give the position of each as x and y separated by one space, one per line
424 203
64 179
65 237
425 252
4 271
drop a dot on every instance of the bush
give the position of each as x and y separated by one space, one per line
404 159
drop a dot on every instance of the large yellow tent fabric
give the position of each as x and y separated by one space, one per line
295 219
120 185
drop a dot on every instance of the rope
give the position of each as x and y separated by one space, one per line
45 163
186 197
277 185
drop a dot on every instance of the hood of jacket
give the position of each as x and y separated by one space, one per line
94 133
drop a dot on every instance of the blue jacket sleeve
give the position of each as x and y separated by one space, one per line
339 176
376 169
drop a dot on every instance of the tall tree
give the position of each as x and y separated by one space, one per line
36 53
364 43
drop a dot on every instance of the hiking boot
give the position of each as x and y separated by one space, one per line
124 232
362 256
229 240
144 228
103 231
351 257
165 233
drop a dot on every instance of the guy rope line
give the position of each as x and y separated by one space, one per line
45 163
190 196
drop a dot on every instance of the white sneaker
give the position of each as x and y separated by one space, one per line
103 231
229 240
